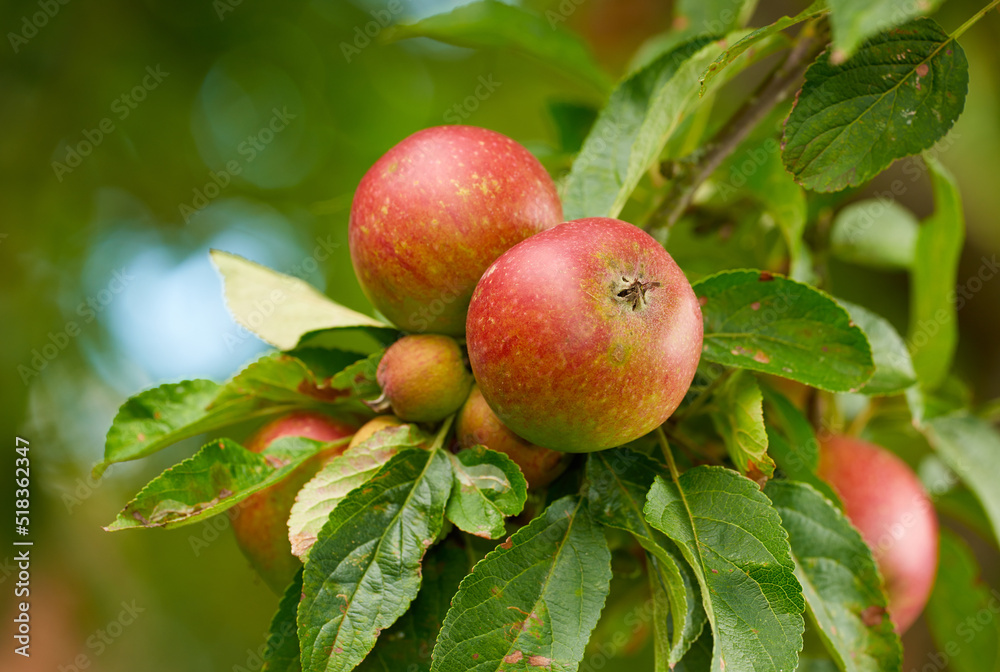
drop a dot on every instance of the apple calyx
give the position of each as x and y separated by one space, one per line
634 291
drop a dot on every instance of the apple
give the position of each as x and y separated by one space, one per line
886 502
261 528
423 377
478 425
584 336
434 212
372 426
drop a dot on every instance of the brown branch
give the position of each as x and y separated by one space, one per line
782 81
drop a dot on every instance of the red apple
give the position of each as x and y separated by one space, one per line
478 425
261 528
585 336
423 377
888 505
434 212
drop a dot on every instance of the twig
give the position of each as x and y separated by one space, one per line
775 89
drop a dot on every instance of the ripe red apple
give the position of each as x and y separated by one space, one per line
261 528
888 505
478 425
423 377
585 336
434 212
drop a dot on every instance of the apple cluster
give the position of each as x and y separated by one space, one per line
543 338
580 335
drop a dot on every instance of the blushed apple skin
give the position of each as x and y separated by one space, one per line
585 336
423 377
434 212
478 425
886 502
261 528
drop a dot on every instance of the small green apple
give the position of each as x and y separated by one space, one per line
424 377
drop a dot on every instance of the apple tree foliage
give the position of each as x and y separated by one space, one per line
420 559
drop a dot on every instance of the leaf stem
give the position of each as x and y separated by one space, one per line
775 89
863 417
973 20
442 432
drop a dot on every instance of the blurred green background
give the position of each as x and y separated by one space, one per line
119 120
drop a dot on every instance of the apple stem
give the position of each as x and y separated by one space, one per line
380 404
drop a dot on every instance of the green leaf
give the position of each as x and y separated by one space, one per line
897 96
782 414
732 537
699 656
740 421
488 487
351 469
841 585
715 17
217 477
407 645
893 366
364 569
336 378
631 131
622 143
970 447
959 598
162 416
532 602
489 24
854 21
573 121
789 460
875 233
276 383
280 308
791 441
764 322
933 333
815 10
282 653
618 481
